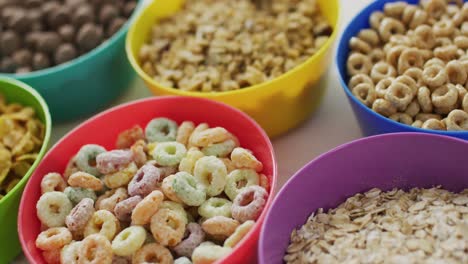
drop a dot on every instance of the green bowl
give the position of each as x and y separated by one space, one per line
18 92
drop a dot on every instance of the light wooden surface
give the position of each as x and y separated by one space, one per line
330 126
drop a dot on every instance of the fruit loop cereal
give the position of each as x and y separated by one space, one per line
223 45
411 65
172 193
21 138
418 226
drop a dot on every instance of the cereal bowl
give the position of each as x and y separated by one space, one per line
98 131
87 83
399 160
17 92
278 104
372 123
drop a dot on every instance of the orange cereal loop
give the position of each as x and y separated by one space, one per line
95 249
168 227
129 137
109 199
184 132
145 209
52 256
53 238
358 63
153 253
104 223
167 189
220 226
201 127
53 182
139 152
209 136
85 180
382 70
244 159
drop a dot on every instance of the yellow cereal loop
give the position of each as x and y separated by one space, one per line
128 241
208 253
239 234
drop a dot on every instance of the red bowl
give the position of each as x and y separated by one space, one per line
103 130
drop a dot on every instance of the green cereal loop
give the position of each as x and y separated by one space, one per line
76 194
188 189
214 207
212 173
220 150
169 153
238 179
87 154
161 130
177 207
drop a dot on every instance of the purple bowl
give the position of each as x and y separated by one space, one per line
402 160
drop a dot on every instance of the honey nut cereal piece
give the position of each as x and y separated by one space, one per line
445 96
121 178
220 226
238 179
249 203
461 42
389 27
182 260
85 180
395 9
413 108
410 58
214 207
211 173
209 136
456 72
167 227
110 198
415 74
184 132
161 130
53 182
129 137
244 159
239 234
434 8
402 118
86 158
382 70
145 209
417 123
128 241
443 28
365 93
220 150
80 215
123 209
76 194
208 253
382 86
359 63
52 256
194 238
53 208
95 249
399 95
189 189
359 45
376 55
104 223
113 161
53 238
457 120
201 127
394 53
409 82
461 93
169 153
145 180
168 190
188 162
139 152
153 253
445 110
413 16
424 117
359 78
424 99
465 103
434 62
370 36
434 124
375 19
446 52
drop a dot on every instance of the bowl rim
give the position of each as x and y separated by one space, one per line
373 6
269 145
82 58
47 135
265 85
281 193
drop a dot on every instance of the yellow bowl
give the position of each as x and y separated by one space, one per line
277 105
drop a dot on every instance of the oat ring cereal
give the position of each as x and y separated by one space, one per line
359 63
95 249
53 208
211 173
153 253
365 93
195 237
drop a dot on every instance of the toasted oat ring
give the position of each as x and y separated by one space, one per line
168 227
393 54
410 58
359 45
435 8
456 73
382 86
443 28
465 103
358 63
370 36
389 27
402 118
424 37
85 180
382 70
400 95
413 108
53 238
383 107
375 19
434 76
395 9
457 120
53 182
365 93
145 209
409 82
434 124
447 52
413 16
95 249
445 96
424 99
434 61
376 55
153 253
415 74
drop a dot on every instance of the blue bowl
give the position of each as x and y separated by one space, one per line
372 123
88 83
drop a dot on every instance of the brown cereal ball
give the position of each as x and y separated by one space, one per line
64 53
82 15
128 8
115 25
89 36
48 42
67 32
9 42
107 13
18 21
40 61
22 57
58 17
7 65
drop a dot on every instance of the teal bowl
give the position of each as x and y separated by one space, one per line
88 83
18 92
